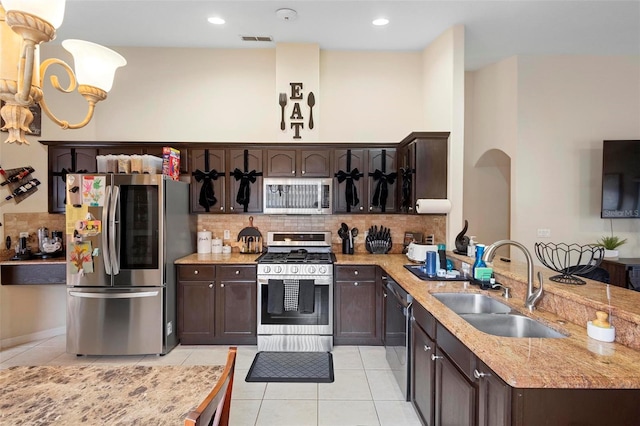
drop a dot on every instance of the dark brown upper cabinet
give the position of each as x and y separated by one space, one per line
208 181
63 161
382 178
349 182
422 170
245 183
298 163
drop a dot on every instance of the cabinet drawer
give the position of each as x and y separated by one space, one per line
425 320
355 272
459 354
196 272
236 272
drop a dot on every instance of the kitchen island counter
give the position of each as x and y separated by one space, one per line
576 361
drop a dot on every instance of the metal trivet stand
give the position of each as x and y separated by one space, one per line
569 260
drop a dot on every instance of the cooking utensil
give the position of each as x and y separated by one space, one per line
311 101
251 239
282 100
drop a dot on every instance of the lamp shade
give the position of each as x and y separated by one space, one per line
51 11
95 65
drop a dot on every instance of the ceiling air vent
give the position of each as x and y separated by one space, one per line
258 38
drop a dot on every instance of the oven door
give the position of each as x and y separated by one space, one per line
293 322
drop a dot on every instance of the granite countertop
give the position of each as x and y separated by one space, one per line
210 258
34 261
576 361
104 395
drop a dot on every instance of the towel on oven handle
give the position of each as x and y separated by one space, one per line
291 290
306 299
275 296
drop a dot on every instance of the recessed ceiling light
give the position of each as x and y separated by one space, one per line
380 22
216 20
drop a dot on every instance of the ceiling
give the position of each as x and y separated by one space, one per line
493 29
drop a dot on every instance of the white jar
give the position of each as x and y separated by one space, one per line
204 242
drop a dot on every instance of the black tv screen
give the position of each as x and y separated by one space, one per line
621 179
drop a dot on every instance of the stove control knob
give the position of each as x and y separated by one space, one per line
311 269
277 269
294 269
266 269
322 269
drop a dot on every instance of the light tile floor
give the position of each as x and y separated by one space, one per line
364 391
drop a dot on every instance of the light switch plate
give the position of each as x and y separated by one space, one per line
227 234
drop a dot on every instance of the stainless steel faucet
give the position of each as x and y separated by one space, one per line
532 296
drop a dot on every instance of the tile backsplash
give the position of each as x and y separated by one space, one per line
14 223
398 223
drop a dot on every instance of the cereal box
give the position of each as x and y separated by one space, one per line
171 162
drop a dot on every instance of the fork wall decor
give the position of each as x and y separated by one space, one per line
296 118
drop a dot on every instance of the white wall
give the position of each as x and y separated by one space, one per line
566 107
443 98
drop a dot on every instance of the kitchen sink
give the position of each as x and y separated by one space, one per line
471 303
510 325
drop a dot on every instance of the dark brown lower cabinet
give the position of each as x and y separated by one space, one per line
196 308
423 377
236 308
455 396
217 304
358 306
465 391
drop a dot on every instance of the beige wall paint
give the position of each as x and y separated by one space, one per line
490 142
550 115
443 100
566 107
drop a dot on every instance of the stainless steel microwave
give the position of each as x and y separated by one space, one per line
297 196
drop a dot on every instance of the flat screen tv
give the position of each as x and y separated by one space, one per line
620 179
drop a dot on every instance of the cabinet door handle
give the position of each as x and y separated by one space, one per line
355 283
304 171
479 375
230 208
355 272
361 208
195 272
293 172
211 285
237 272
435 357
221 285
427 348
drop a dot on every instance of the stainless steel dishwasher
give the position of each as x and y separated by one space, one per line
397 333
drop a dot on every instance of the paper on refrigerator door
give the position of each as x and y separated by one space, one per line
93 190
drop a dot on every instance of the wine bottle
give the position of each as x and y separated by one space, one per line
23 189
18 176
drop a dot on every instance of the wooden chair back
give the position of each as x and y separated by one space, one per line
215 408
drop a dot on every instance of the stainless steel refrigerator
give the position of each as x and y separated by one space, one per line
123 234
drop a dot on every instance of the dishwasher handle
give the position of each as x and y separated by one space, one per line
405 303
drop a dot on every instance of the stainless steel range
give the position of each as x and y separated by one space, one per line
295 292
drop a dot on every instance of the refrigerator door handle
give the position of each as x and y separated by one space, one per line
115 200
106 253
113 295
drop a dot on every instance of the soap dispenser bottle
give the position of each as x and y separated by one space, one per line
479 263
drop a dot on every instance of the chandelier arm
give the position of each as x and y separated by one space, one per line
55 82
25 72
54 78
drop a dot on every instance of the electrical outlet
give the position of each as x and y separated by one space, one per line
169 328
544 233
227 234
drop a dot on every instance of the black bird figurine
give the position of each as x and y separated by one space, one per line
462 241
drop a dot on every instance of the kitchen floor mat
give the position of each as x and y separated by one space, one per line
299 367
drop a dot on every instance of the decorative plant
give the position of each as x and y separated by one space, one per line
610 243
